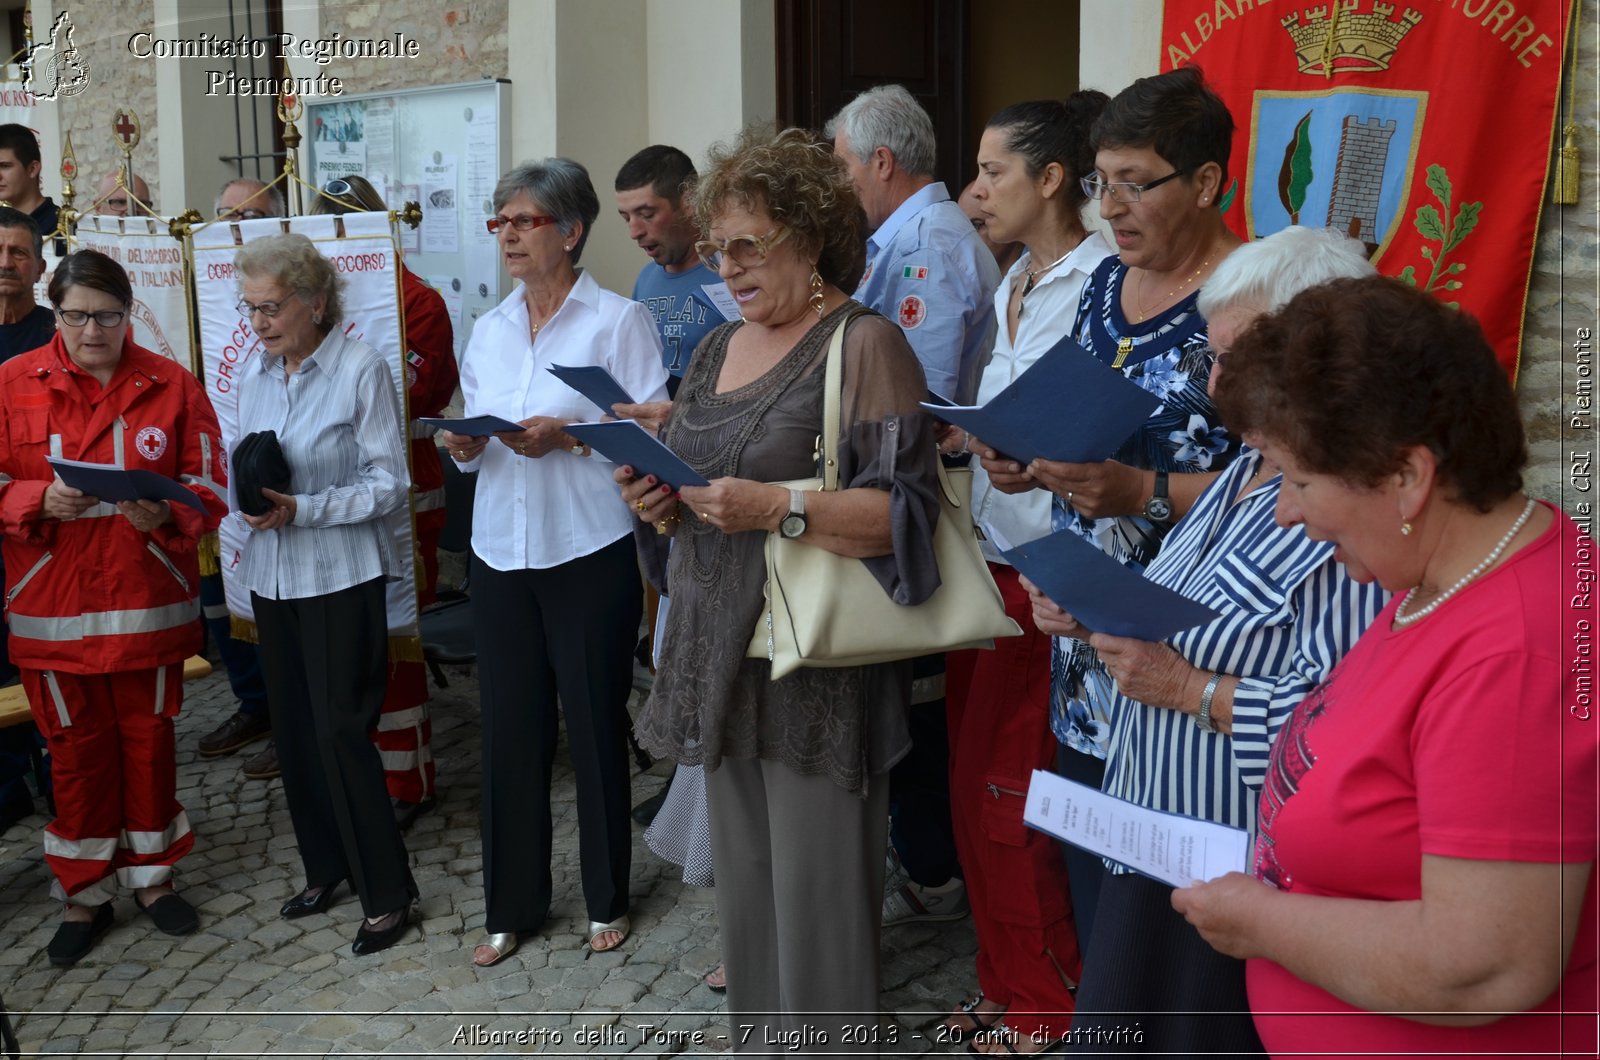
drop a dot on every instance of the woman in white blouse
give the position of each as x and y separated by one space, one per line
555 580
1027 191
316 564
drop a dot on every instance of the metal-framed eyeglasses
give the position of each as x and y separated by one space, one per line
744 251
77 318
1123 190
266 309
523 222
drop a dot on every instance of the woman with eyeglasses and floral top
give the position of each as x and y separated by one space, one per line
797 768
556 593
101 597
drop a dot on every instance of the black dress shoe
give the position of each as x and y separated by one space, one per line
172 914
646 811
370 939
311 900
73 940
406 813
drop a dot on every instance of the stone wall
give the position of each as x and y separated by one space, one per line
1561 294
116 80
462 40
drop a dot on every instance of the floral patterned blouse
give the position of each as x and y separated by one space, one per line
1170 356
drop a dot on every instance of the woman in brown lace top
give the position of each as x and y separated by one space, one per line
796 769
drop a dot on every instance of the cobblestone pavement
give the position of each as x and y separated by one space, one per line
250 983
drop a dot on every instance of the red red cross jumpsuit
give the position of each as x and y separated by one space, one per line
103 615
405 733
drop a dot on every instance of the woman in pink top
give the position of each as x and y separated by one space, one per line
1423 878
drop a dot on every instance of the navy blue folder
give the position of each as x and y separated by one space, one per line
625 442
1102 593
473 426
112 483
594 383
1067 406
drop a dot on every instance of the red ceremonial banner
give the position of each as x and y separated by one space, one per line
1422 129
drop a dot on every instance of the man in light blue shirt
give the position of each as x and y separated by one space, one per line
676 287
926 269
928 272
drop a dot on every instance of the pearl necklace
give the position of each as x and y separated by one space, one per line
1488 561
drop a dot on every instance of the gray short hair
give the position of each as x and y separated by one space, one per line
274 196
887 116
1265 274
561 187
294 261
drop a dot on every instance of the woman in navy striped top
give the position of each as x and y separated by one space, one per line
1194 717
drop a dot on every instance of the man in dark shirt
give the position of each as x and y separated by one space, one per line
24 324
19 179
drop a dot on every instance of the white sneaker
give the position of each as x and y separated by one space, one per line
911 902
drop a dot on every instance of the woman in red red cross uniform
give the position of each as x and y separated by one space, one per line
101 597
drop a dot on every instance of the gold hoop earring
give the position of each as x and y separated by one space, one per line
816 292
1405 529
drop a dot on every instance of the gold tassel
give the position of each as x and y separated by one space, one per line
1569 176
1567 181
209 551
405 649
243 629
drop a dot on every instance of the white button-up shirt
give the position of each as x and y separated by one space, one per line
1047 317
541 513
338 421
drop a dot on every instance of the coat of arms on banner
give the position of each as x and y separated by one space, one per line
1422 130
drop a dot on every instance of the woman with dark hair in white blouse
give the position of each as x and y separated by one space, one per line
555 578
316 565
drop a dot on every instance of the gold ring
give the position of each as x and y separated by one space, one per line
640 505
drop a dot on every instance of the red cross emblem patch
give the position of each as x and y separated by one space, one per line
151 442
912 311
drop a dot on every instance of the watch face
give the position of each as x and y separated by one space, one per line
792 525
1158 509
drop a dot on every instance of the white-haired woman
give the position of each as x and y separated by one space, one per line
315 565
1195 716
555 578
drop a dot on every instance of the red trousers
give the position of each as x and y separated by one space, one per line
115 773
405 732
998 707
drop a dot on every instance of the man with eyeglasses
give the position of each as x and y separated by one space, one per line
113 199
241 199
246 199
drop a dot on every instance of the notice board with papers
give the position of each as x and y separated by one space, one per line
444 148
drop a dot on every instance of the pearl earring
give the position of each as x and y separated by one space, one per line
1405 529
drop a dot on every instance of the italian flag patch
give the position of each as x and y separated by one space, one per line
915 272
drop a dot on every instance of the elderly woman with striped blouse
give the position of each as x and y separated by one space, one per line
316 565
1195 716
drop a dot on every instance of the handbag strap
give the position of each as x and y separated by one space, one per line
832 398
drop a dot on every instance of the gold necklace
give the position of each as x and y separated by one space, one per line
1144 314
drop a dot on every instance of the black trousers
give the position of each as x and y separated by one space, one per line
325 662
1085 871
919 784
560 635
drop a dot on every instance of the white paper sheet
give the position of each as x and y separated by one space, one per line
722 298
1169 847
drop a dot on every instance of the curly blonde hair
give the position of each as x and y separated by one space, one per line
794 178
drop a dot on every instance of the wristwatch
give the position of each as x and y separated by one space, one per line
1203 719
794 524
1158 509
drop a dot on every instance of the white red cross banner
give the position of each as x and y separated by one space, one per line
154 262
367 260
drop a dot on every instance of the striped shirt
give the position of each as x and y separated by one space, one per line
1289 613
338 420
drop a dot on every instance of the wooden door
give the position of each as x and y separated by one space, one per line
831 50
